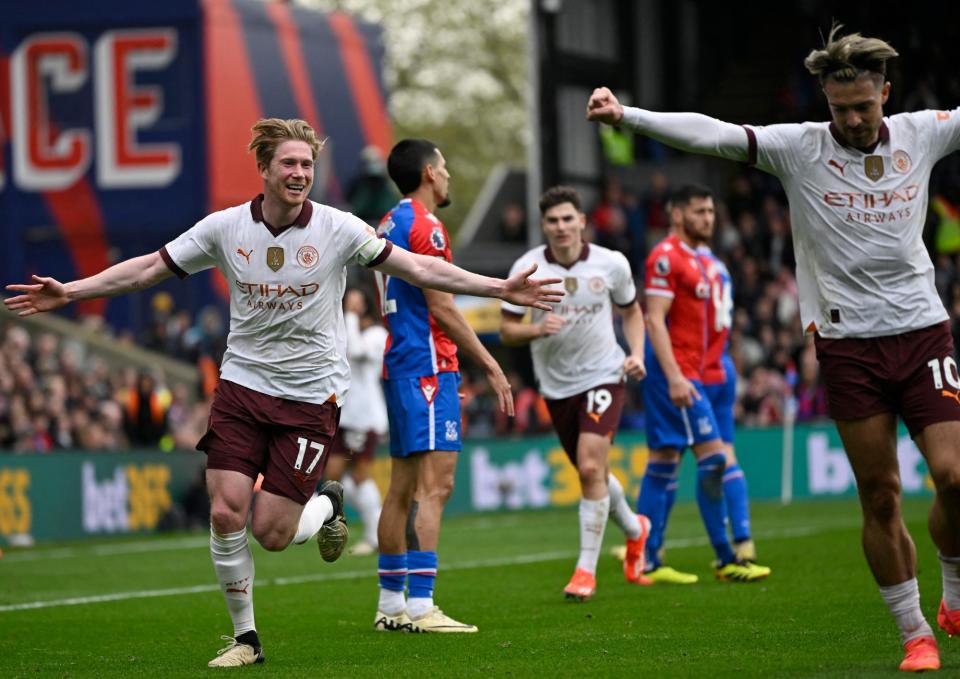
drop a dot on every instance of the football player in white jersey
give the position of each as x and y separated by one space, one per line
581 371
285 371
858 191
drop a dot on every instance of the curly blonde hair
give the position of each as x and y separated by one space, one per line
847 58
269 133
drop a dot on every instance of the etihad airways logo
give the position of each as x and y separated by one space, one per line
871 199
281 297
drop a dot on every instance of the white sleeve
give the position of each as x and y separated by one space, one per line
624 291
195 249
359 243
691 132
519 265
784 149
942 129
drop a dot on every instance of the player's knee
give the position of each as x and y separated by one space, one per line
271 538
881 502
226 519
946 480
441 490
590 470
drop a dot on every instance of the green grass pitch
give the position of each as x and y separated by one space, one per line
150 607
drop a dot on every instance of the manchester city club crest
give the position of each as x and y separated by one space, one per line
873 167
570 284
275 258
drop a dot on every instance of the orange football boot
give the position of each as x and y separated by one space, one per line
921 655
635 562
582 586
948 620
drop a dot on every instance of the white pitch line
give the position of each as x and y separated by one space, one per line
520 559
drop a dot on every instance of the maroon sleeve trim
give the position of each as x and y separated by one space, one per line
751 146
387 248
168 260
512 314
628 304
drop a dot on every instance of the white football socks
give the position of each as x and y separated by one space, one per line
903 600
950 567
318 510
368 504
233 564
620 511
593 521
391 602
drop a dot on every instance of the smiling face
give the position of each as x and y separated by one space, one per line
289 176
856 107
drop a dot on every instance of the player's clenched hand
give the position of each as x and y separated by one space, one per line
551 324
501 387
522 290
682 392
44 294
634 367
603 107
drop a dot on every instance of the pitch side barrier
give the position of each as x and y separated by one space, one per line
72 495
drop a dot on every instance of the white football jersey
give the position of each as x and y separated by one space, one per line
365 409
287 337
585 352
862 268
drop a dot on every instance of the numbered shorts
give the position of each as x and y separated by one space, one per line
669 426
595 411
424 413
355 444
722 397
286 441
913 374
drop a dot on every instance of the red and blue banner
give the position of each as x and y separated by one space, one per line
122 124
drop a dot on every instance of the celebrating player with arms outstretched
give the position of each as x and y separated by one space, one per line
581 372
285 371
857 188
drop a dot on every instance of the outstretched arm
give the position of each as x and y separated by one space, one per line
444 310
435 273
47 294
692 132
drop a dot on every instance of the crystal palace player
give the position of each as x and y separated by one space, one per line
581 371
858 192
285 371
423 405
678 413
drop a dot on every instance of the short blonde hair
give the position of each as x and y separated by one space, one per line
269 133
847 58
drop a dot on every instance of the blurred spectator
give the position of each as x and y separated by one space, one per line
145 404
513 224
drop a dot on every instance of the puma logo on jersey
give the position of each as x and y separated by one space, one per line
246 255
837 165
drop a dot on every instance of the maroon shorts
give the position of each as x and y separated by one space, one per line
913 374
286 441
355 444
595 411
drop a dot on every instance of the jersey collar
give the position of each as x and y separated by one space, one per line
256 210
584 253
884 137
